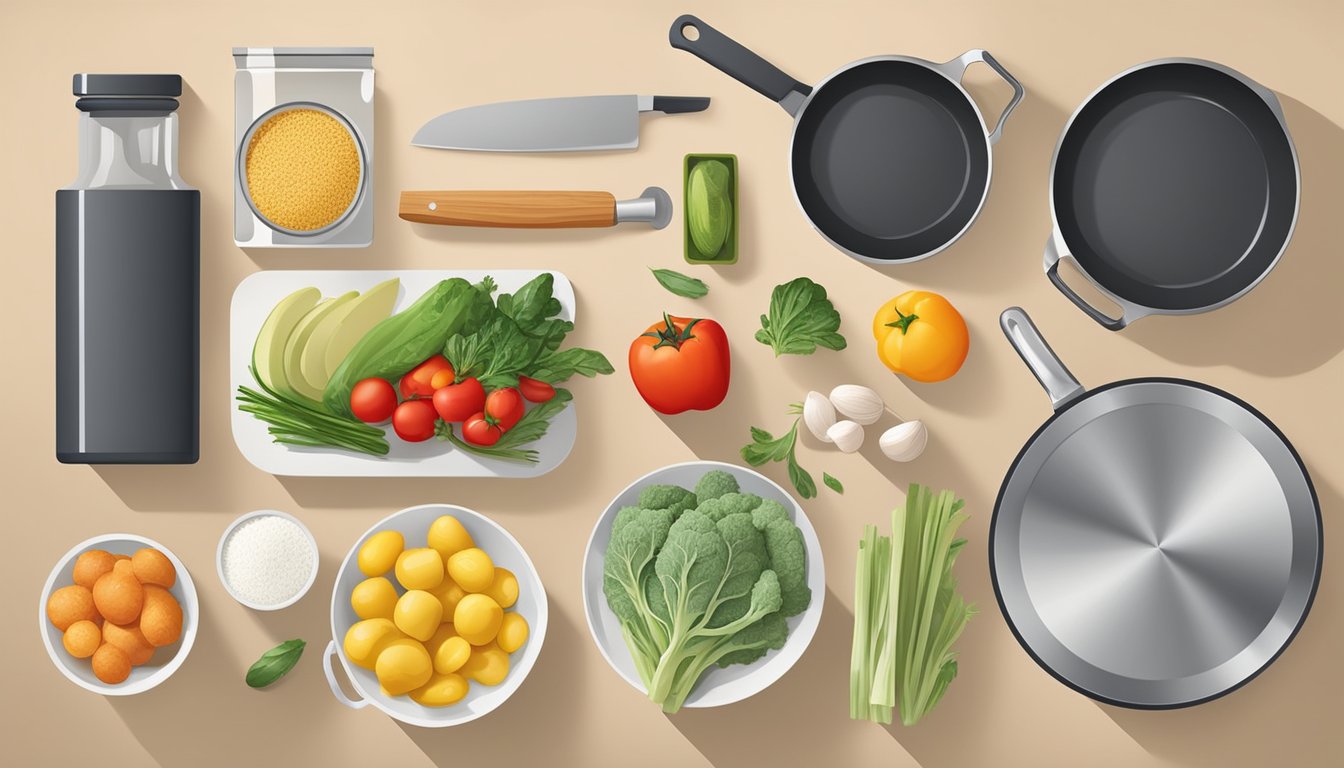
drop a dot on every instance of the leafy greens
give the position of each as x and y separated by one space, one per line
801 319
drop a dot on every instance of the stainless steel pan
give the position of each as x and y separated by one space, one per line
1157 542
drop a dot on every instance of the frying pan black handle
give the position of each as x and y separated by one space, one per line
731 58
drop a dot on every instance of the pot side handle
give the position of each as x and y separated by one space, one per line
956 69
1045 365
1129 312
734 59
327 666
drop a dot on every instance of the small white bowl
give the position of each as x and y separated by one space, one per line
219 559
166 659
506 552
719 685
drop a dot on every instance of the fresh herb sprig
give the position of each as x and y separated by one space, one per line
294 421
765 447
679 284
801 319
275 663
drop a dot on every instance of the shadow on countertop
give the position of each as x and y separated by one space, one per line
1288 324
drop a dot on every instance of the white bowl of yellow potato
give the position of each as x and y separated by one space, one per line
402 626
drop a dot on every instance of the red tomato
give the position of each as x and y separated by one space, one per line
417 381
478 430
373 400
681 364
414 420
505 407
535 391
456 402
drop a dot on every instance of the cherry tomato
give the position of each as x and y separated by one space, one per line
373 400
681 364
456 402
418 381
505 407
442 379
414 420
478 430
535 391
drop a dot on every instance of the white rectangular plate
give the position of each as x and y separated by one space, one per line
253 301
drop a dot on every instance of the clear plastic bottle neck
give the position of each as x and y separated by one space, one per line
128 152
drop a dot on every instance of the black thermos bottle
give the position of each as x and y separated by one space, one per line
128 282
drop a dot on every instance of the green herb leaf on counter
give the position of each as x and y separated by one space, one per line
832 483
275 663
765 447
801 319
681 285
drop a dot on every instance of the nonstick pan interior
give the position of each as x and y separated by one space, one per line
890 160
1156 544
1175 187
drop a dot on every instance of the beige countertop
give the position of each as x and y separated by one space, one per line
1279 348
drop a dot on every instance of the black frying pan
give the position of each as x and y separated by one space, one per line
1174 190
891 158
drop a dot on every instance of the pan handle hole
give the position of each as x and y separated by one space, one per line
690 32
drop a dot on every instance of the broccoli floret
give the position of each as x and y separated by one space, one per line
623 516
728 504
666 497
768 512
755 641
788 558
714 484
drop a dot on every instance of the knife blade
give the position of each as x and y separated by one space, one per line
572 124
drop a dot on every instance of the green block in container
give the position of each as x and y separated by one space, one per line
728 253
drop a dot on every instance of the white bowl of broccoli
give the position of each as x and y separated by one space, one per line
703 584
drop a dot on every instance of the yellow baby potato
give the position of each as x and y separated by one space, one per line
477 619
503 588
488 665
380 552
448 536
512 632
366 640
451 655
418 614
441 690
472 569
420 568
403 666
450 594
374 598
441 635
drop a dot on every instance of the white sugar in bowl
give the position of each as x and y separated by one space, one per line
267 560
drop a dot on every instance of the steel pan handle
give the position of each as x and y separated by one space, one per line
1129 312
956 69
1045 365
734 59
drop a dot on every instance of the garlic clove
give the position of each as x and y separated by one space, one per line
818 415
859 403
847 436
904 442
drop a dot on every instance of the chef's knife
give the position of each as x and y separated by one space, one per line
574 124
535 209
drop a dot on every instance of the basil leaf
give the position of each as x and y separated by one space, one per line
832 483
275 663
764 448
680 284
801 478
556 367
528 305
800 320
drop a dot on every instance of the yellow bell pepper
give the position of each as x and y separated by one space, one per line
921 335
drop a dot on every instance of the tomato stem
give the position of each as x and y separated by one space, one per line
669 336
903 321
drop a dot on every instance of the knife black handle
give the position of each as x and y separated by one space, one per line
673 104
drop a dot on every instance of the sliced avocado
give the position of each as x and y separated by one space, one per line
268 353
299 339
337 333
